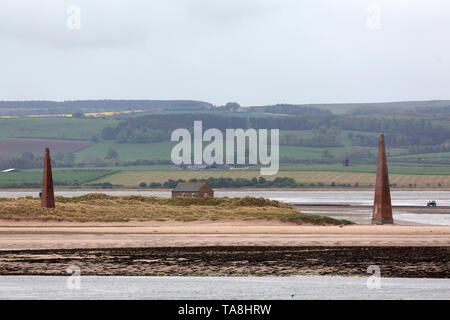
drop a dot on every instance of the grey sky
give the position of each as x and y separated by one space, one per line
249 51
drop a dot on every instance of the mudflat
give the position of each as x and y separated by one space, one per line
414 262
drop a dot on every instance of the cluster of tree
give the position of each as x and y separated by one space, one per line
363 140
323 137
400 130
433 110
307 162
158 127
103 185
99 162
230 106
261 182
293 109
29 161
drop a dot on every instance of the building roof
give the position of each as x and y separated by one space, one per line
189 186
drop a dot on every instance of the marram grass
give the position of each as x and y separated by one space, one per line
102 207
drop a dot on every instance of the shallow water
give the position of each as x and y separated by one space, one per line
364 216
297 287
358 197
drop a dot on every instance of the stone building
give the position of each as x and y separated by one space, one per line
192 190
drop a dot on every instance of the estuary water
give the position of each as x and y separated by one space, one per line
227 288
343 197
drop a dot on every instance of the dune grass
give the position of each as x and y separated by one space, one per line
106 208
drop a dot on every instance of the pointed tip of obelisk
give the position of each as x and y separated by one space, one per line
381 143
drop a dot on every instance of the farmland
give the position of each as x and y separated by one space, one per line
162 150
53 128
62 177
116 151
134 178
15 147
84 131
127 152
373 169
310 176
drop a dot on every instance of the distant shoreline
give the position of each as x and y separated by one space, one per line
225 189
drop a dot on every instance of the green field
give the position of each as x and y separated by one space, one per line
134 178
443 155
342 134
63 177
128 151
371 169
162 151
320 174
84 129
53 128
404 168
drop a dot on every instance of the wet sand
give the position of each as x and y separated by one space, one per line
18 235
226 247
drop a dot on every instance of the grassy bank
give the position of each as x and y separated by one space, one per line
101 207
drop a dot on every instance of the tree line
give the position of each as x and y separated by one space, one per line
261 182
400 130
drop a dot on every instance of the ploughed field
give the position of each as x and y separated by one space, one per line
102 207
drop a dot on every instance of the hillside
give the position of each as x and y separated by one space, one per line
68 107
311 139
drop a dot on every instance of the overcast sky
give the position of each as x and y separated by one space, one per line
249 51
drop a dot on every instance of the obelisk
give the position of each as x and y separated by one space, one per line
382 208
48 196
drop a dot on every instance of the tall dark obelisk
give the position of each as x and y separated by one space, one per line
382 208
48 196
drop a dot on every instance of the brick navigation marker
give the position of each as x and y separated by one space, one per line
48 196
382 208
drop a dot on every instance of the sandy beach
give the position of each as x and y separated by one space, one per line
226 247
70 235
